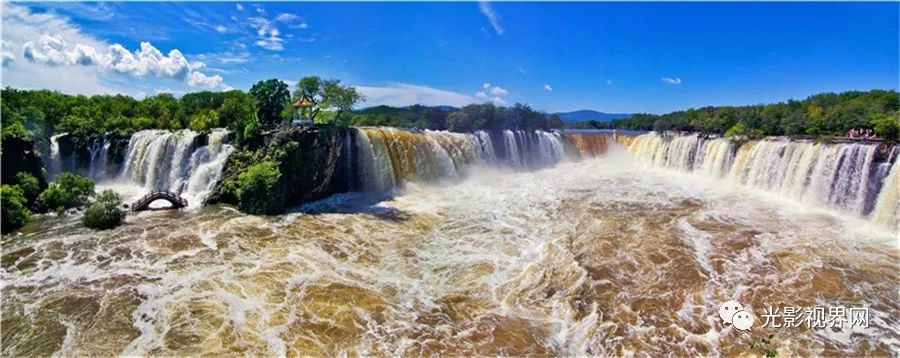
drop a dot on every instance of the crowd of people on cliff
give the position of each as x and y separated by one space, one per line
861 133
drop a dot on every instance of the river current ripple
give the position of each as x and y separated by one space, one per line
598 257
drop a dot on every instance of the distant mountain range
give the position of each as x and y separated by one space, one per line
589 114
573 116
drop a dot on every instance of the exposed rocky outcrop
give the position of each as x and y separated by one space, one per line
311 162
19 155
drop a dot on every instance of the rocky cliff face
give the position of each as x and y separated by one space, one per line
19 155
312 165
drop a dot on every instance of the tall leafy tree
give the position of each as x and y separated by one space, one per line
238 112
271 96
318 94
340 98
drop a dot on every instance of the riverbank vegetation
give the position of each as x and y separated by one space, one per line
817 115
24 197
105 212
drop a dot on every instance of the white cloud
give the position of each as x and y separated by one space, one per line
674 81
291 20
221 29
269 36
491 93
548 88
239 7
52 46
403 94
6 52
198 79
491 15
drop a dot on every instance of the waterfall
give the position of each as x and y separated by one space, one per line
512 151
384 158
886 208
387 157
587 145
844 176
487 147
176 161
99 157
55 157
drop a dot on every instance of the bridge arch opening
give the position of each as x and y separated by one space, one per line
155 201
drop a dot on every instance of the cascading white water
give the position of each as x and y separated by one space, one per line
843 176
384 158
487 147
174 161
886 213
55 158
511 143
99 157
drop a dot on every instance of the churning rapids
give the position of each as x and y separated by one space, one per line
616 245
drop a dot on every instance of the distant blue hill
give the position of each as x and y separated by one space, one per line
588 114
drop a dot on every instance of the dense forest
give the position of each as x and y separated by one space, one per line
818 115
39 114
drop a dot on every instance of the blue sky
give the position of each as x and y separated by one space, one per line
613 57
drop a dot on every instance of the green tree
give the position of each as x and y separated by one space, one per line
340 98
68 191
29 185
270 96
105 213
204 121
886 126
323 95
556 121
257 189
13 210
237 112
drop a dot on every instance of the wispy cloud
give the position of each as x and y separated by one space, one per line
239 7
491 15
609 82
674 81
548 88
269 36
404 94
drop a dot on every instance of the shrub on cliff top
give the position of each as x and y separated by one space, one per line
257 190
13 210
105 213
68 191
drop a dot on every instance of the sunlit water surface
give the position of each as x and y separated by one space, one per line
597 257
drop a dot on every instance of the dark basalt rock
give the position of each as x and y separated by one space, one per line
312 162
19 155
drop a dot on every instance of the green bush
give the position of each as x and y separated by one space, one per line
257 190
105 213
886 126
740 129
68 191
30 186
12 208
